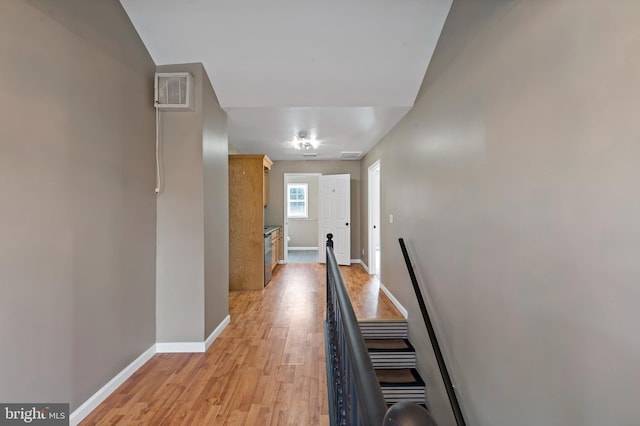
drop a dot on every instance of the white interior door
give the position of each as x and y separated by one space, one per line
374 219
335 216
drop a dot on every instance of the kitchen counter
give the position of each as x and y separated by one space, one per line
269 229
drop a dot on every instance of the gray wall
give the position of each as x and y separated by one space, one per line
274 213
216 209
77 223
180 229
192 217
303 232
234 150
514 180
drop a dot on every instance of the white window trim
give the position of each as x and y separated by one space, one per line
305 186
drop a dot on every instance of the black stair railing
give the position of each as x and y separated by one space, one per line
451 392
355 396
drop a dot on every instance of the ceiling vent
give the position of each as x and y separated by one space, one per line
350 155
174 91
309 154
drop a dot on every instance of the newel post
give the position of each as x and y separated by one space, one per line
330 240
406 413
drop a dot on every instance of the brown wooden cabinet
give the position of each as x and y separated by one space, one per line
274 252
248 194
276 244
265 185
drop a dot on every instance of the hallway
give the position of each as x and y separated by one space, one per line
267 366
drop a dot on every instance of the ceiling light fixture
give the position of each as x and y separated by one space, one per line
302 141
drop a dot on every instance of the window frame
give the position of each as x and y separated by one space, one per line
305 201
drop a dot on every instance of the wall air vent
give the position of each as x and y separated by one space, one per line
350 155
309 154
174 91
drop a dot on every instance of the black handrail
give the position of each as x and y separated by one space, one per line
451 393
357 398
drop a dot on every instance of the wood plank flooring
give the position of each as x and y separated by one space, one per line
266 368
368 301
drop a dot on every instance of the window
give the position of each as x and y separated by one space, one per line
297 202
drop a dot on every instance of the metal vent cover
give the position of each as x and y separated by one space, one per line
174 91
350 155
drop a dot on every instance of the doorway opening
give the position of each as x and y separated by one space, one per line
375 254
300 236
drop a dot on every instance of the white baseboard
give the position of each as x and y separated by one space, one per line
395 301
302 248
179 347
215 333
364 266
356 261
165 347
96 399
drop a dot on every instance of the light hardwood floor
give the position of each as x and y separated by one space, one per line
266 368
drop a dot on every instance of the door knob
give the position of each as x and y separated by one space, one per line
347 223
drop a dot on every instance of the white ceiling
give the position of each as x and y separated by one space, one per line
344 71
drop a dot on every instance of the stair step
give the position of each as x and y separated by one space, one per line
383 329
391 353
401 385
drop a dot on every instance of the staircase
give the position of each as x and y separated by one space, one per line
394 360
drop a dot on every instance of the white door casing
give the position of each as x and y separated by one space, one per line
374 254
335 216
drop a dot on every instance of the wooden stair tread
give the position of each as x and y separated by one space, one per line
395 345
405 377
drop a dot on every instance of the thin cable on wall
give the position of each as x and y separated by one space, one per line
158 174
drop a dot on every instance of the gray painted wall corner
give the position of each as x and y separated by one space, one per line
193 217
216 209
